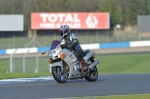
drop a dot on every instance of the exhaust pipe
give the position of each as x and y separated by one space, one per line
93 64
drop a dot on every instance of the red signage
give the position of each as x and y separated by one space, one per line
74 20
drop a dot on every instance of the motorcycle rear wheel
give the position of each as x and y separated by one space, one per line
58 75
93 75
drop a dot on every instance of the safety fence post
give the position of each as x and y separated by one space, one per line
11 61
23 64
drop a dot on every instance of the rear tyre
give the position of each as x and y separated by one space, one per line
59 76
93 75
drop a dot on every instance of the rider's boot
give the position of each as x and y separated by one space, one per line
84 65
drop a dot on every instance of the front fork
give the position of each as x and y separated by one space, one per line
58 63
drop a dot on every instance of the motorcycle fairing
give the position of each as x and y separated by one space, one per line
72 62
59 63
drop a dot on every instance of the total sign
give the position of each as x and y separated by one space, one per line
74 20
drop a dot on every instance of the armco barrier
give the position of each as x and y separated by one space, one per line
139 43
115 45
84 46
3 52
21 50
39 49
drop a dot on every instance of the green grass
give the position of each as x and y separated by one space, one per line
125 63
30 64
139 96
109 64
22 75
29 70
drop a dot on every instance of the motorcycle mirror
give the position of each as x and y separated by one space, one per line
43 52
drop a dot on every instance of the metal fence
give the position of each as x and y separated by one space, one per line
28 63
21 42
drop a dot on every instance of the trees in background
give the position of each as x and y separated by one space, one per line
122 12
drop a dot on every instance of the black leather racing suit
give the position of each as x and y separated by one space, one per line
72 43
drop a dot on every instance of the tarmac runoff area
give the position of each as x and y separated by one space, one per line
48 88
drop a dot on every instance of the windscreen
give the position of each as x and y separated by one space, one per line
54 44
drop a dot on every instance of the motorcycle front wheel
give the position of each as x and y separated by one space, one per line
59 76
93 75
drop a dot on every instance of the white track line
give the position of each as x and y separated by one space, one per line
21 80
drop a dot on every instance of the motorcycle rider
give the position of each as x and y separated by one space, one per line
72 43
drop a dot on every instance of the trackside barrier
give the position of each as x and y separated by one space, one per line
11 61
84 46
24 63
3 52
115 45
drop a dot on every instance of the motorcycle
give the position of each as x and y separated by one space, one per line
65 65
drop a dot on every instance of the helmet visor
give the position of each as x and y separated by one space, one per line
63 31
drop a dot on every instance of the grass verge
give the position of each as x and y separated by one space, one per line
138 96
22 75
109 64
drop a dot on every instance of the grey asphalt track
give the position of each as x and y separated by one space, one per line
107 84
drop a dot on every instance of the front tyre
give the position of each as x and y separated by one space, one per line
93 75
59 76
